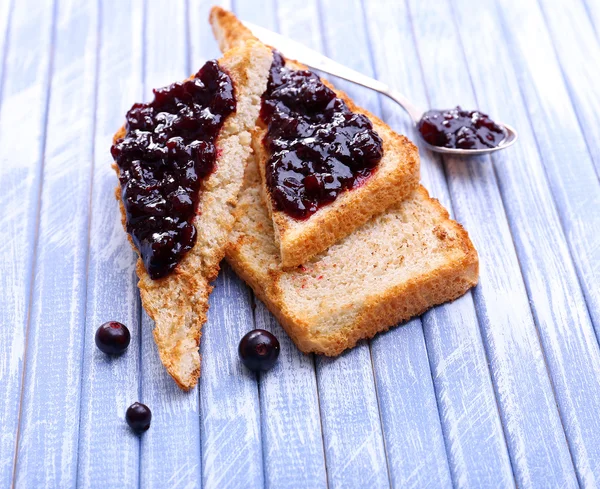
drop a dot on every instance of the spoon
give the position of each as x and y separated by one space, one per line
294 50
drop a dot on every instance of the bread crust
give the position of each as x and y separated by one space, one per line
396 176
178 303
251 254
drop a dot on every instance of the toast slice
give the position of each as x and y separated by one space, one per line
394 267
178 303
395 178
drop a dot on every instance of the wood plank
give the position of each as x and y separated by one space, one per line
230 407
25 84
170 450
110 385
559 307
574 184
354 448
6 8
475 443
54 346
518 367
577 48
229 399
290 417
411 422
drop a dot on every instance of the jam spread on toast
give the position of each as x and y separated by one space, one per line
166 153
317 146
458 128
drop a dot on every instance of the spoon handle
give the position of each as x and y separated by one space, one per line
294 50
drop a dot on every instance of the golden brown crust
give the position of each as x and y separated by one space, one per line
373 311
178 303
228 30
395 178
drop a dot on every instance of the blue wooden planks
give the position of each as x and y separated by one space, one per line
559 308
26 68
577 47
110 385
231 435
414 408
516 359
466 401
52 383
558 123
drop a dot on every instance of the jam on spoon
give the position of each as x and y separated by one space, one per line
317 146
166 153
461 129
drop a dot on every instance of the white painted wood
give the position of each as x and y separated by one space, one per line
290 417
52 386
559 307
476 449
354 449
561 141
108 450
230 407
578 49
512 366
170 450
5 16
22 136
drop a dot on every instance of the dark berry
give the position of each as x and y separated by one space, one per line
113 338
138 417
166 153
259 350
319 147
458 128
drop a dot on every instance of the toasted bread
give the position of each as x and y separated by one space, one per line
394 267
178 303
396 177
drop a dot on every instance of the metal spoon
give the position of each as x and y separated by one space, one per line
294 50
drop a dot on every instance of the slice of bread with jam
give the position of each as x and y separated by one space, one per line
181 160
327 166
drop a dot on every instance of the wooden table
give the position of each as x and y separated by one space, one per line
499 389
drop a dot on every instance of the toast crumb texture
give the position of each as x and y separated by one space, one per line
396 177
396 266
178 303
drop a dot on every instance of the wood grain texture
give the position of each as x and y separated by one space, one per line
559 307
25 84
407 400
578 49
290 417
570 170
416 407
517 361
170 450
354 448
230 407
52 386
110 385
471 424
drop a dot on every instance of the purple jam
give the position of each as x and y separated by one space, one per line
458 128
318 147
166 153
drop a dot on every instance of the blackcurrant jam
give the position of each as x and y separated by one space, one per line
458 128
167 151
317 146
